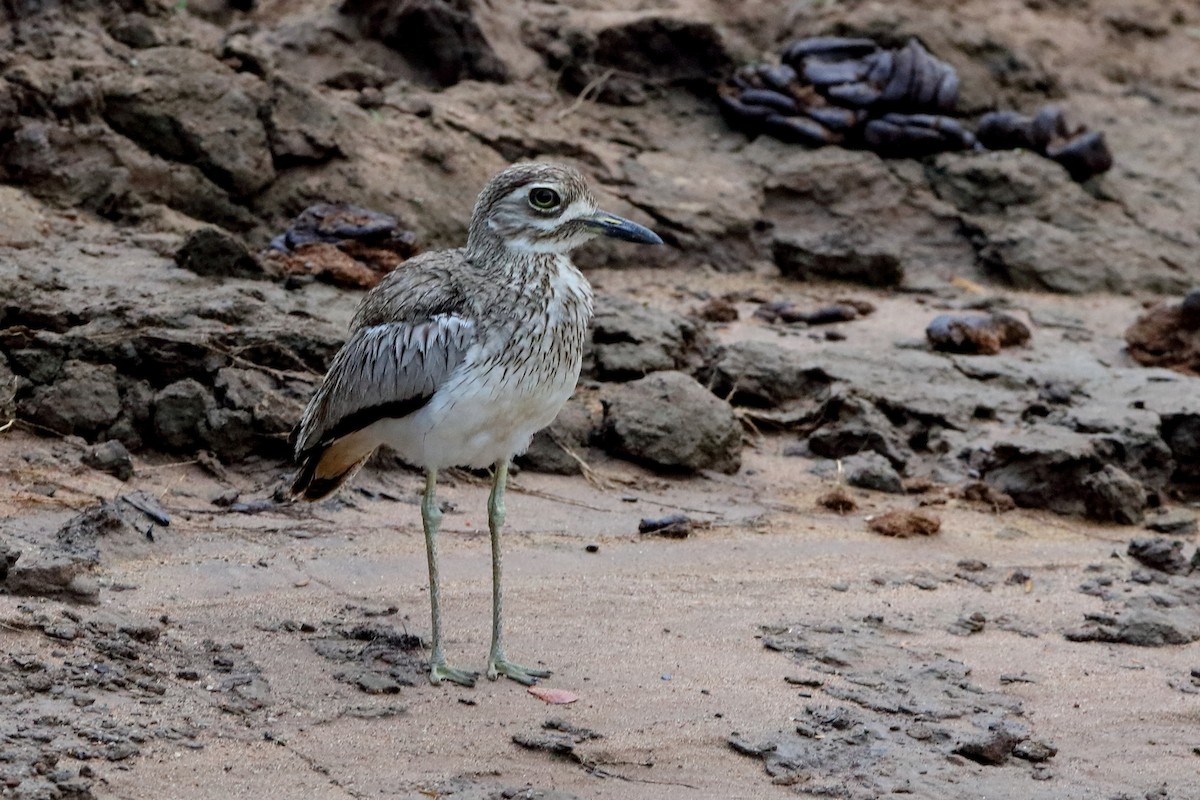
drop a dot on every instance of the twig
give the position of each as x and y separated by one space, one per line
593 86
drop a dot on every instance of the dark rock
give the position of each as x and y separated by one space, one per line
1113 495
1174 522
1164 555
852 425
872 471
185 105
636 55
630 340
180 414
968 625
976 333
275 409
1169 617
134 30
763 374
991 748
229 433
441 38
1047 466
83 400
670 421
110 457
8 557
215 253
807 257
301 128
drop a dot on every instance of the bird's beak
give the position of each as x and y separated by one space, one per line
620 228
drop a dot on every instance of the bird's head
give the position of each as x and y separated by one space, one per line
545 208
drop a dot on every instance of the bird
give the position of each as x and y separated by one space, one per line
459 356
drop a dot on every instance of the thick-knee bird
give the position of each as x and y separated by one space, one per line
459 356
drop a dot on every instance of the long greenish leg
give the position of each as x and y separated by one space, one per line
431 520
497 664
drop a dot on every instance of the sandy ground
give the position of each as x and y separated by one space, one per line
660 639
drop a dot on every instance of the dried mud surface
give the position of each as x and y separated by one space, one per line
1026 629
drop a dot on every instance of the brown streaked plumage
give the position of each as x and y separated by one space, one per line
460 356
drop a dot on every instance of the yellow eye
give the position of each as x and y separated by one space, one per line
544 199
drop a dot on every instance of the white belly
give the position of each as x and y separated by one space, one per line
477 419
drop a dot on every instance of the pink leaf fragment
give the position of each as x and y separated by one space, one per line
555 697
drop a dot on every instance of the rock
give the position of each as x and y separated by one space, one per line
904 523
640 51
275 409
991 183
836 214
83 400
851 425
215 253
229 433
1034 751
1046 466
110 457
185 105
706 205
1040 255
1032 226
809 256
134 30
671 422
990 748
1168 617
1174 522
181 412
1113 495
1161 554
982 334
301 128
630 340
872 471
1168 335
63 567
440 38
763 374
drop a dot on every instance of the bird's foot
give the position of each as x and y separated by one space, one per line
526 675
441 671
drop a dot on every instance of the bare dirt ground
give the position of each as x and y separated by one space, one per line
661 639
177 634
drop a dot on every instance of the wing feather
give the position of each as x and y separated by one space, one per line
383 370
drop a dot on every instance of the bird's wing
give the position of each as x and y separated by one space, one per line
389 369
409 334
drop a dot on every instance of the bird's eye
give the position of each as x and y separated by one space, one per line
544 199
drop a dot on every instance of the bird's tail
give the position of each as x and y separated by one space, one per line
324 468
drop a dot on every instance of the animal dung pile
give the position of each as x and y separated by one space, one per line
341 244
898 103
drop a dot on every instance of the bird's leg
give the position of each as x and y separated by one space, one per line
431 519
497 664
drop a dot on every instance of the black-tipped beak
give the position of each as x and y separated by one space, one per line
620 228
